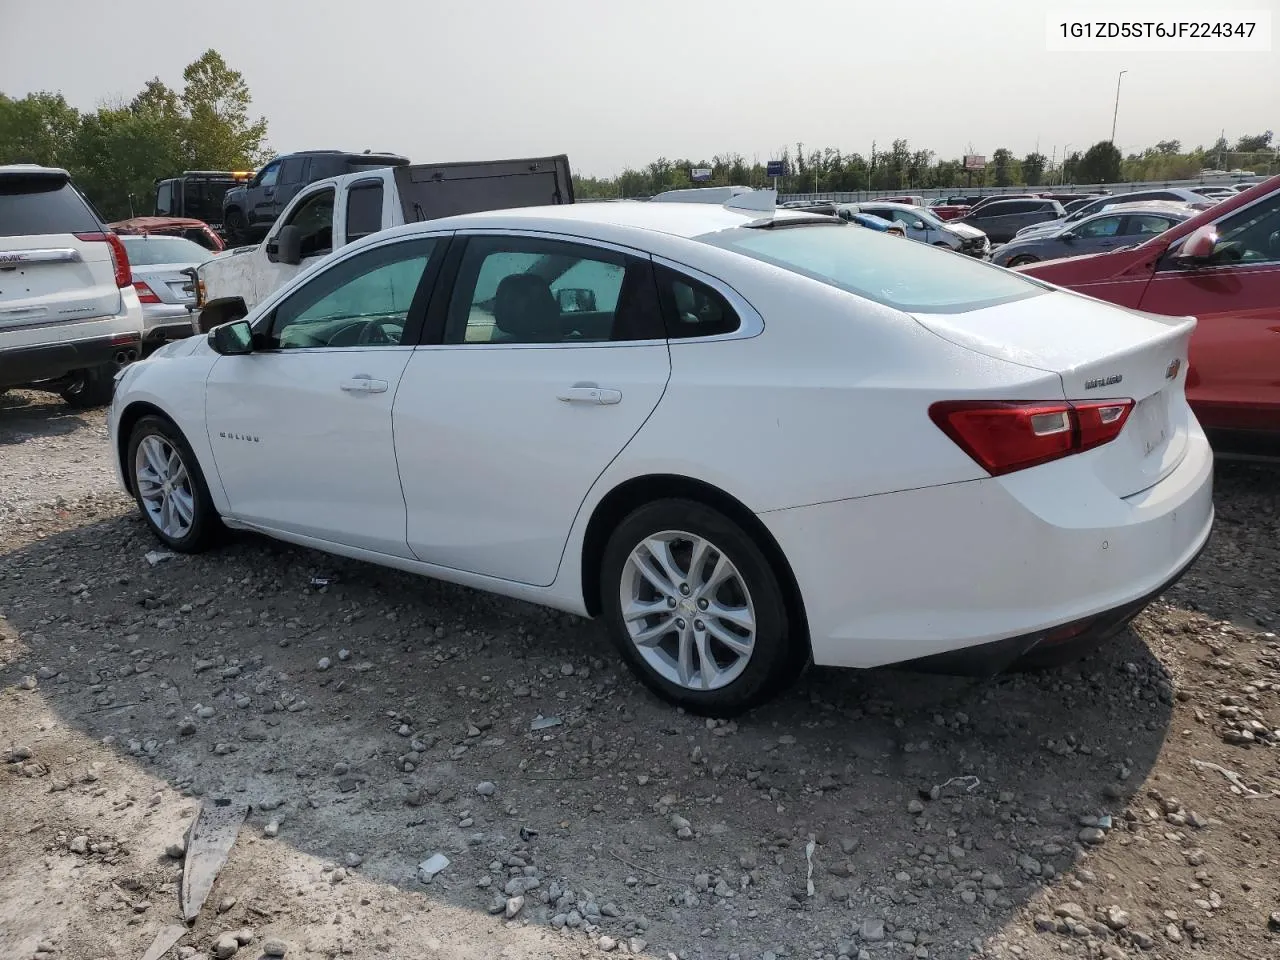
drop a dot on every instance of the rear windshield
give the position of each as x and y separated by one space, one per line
905 275
204 199
31 206
151 250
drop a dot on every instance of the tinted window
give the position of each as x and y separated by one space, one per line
905 276
31 206
1148 225
204 199
516 290
361 302
293 170
144 251
1252 235
164 199
314 217
1099 227
364 210
267 178
692 308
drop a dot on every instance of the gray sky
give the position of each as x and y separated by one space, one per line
615 83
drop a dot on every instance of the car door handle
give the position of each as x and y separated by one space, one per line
589 393
363 383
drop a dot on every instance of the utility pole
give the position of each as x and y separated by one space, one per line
1115 116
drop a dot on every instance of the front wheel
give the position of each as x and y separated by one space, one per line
169 486
696 610
1025 258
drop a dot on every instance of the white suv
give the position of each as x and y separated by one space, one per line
69 316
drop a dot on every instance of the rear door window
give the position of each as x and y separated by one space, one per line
294 170
32 206
364 210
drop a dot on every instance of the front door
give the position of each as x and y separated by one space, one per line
550 356
313 215
260 195
1234 380
301 429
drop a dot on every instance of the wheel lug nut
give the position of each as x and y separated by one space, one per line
684 589
680 624
699 625
702 604
671 602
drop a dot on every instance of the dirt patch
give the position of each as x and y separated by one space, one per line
380 719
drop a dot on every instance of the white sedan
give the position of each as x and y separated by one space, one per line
745 439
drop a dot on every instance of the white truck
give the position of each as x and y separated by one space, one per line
327 214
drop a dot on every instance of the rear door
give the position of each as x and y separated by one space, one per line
55 264
549 356
1234 382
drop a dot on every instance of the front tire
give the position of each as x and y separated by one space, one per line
92 387
696 610
170 488
1025 258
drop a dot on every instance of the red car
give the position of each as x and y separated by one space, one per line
1223 267
194 230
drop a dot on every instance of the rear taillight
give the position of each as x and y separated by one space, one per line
1006 435
119 257
145 293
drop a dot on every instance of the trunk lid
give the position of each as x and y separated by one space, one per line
168 281
430 191
47 273
1099 352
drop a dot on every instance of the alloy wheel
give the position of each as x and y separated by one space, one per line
688 611
164 486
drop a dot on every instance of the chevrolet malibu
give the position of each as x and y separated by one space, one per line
745 439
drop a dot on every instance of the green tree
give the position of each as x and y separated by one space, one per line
1002 162
39 128
220 135
1100 164
1169 147
1254 144
1033 165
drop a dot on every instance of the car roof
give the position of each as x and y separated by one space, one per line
32 169
688 220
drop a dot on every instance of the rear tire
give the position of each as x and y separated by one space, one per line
169 487
93 387
710 635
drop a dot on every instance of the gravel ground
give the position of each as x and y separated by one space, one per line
1118 808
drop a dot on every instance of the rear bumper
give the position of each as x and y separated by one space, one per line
167 321
906 576
49 361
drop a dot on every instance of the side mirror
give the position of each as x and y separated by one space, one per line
232 339
1199 246
286 246
919 225
1067 237
576 300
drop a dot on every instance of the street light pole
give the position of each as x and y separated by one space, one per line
1116 115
